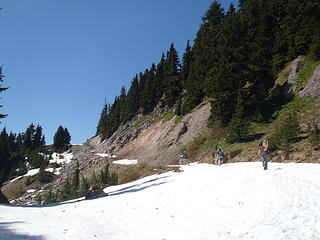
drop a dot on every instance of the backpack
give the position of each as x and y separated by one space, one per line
264 147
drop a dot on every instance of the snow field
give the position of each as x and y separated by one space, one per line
233 201
126 162
61 158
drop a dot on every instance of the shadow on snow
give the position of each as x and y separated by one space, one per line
129 189
7 234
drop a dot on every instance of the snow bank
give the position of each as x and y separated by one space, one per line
103 154
32 172
106 155
61 158
126 162
233 201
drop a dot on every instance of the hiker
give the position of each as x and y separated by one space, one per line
185 157
214 155
264 153
180 158
219 156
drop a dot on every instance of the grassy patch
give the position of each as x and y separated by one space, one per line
141 119
258 127
297 104
306 72
129 175
283 76
168 116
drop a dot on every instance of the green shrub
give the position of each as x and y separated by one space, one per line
314 134
306 72
131 174
50 197
285 132
43 175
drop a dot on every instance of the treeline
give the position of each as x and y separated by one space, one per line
161 83
233 61
18 151
23 151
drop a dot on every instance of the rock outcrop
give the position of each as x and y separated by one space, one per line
3 198
152 142
312 89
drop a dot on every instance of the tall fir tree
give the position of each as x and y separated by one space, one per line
172 77
1 90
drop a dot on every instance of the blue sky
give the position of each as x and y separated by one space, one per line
62 58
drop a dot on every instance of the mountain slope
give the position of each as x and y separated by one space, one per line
234 201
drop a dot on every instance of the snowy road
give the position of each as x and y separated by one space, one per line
234 201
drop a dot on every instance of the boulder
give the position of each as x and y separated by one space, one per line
95 194
3 198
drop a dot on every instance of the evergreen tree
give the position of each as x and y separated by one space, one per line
103 128
29 137
50 198
75 181
185 68
61 138
160 78
228 73
1 90
204 56
58 140
122 100
65 193
67 137
238 129
43 175
172 77
38 140
132 100
84 186
5 166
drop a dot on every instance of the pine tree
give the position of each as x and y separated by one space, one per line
228 72
67 137
238 129
75 181
58 140
29 138
103 128
84 186
65 193
1 90
160 77
38 140
50 198
43 175
132 100
172 77
185 68
61 138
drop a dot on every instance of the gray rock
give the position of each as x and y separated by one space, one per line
312 89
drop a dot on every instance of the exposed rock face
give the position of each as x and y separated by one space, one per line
312 89
161 142
290 85
3 198
152 143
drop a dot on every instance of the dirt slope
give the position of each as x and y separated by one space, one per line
151 143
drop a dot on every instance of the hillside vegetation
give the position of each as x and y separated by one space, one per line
233 61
